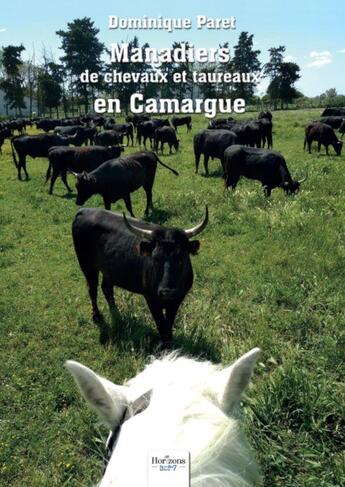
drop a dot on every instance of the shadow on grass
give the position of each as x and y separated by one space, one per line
128 333
131 333
218 173
158 216
66 196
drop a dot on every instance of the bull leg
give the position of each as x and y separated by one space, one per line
64 180
267 191
52 181
149 204
128 203
92 282
319 147
232 181
158 316
108 291
206 157
197 160
327 150
107 203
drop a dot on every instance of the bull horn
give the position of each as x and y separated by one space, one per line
75 174
300 181
192 232
139 232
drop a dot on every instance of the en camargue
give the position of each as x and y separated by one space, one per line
209 106
176 403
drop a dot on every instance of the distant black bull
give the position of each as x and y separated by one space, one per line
109 137
166 135
77 159
179 121
34 146
117 178
267 166
212 143
337 112
140 257
322 134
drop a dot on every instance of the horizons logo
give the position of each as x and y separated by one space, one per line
169 468
167 460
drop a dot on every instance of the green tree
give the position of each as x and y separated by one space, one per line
82 51
12 81
283 76
245 60
50 88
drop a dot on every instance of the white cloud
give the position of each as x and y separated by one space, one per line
342 50
3 29
289 59
319 59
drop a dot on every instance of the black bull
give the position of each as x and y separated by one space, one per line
117 178
267 166
140 257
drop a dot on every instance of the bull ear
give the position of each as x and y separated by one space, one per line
193 247
104 397
145 248
238 377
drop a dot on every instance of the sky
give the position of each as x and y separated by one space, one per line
312 30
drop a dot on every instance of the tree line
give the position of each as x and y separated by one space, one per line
55 87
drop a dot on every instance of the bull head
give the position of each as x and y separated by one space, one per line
144 233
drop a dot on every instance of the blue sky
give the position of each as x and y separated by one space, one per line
312 30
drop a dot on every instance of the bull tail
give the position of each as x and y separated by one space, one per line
14 153
168 167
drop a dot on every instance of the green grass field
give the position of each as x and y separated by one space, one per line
270 273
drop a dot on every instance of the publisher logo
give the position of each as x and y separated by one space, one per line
169 468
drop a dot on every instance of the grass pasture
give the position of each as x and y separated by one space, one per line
270 273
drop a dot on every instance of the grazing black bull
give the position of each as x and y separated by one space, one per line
334 122
117 178
137 256
166 135
212 143
77 159
126 129
146 130
84 134
267 166
34 146
323 134
178 121
47 124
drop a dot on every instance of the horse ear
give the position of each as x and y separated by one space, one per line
107 399
238 380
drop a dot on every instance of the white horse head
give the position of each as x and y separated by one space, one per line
189 405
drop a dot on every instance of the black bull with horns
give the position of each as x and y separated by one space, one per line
138 256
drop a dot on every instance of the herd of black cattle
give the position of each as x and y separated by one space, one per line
135 255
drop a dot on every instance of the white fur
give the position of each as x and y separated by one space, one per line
191 408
